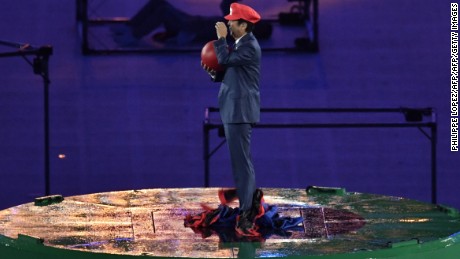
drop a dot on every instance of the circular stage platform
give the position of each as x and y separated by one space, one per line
150 223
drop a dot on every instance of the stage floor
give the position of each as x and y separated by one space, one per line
151 223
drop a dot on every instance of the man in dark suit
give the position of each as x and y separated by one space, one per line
239 104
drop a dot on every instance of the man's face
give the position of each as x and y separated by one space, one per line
236 30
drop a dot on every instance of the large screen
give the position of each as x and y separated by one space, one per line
165 25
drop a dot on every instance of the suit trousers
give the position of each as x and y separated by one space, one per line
238 136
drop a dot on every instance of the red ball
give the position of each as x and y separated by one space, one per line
209 58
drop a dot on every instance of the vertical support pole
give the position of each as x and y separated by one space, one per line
315 26
433 163
41 66
47 129
84 26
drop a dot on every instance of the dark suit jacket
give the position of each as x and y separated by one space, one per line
239 97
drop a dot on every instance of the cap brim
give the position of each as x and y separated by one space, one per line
231 17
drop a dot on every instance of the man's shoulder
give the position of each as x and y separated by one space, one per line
248 37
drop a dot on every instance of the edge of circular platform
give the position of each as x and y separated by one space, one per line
25 246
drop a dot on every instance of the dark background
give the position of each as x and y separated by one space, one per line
135 121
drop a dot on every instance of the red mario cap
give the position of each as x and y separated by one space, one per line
241 11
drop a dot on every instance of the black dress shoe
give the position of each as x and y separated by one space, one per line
245 221
245 226
257 209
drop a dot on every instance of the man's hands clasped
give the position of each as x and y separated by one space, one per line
221 30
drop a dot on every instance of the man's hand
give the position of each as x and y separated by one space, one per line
221 30
211 72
